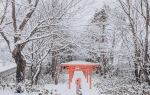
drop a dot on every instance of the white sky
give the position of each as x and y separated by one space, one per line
90 6
88 9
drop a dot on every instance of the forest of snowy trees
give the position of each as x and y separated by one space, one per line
38 35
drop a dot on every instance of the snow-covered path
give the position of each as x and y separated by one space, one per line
63 88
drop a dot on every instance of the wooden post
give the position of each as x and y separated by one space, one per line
87 75
69 78
91 77
71 73
84 72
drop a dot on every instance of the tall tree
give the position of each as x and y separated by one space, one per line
138 15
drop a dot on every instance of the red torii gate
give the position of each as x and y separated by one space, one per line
86 67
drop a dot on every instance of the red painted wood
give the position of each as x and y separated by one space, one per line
87 69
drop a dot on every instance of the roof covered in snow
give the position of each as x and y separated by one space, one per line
7 67
78 62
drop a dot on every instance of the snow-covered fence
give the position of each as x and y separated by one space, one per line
7 70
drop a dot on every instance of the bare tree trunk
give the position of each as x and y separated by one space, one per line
36 75
128 11
136 72
136 60
17 52
53 64
21 63
17 55
58 70
146 44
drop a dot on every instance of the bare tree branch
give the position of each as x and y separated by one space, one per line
1 22
14 15
7 41
28 16
5 10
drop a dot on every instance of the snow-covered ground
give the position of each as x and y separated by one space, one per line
120 81
62 88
